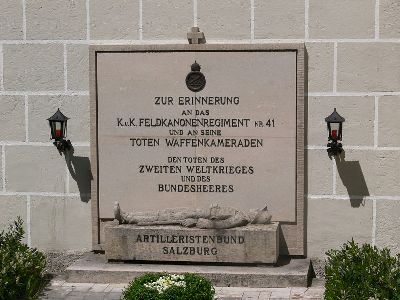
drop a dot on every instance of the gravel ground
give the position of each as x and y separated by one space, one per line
57 262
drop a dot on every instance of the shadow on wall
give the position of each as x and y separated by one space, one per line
80 170
353 179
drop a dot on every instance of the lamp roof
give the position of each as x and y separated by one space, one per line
334 117
58 116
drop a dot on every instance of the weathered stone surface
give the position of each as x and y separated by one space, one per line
279 19
74 107
11 20
368 67
33 67
389 21
320 67
78 67
11 208
342 19
334 222
359 112
389 125
34 169
364 173
56 19
224 19
12 118
114 19
60 223
320 178
388 224
166 19
94 268
249 244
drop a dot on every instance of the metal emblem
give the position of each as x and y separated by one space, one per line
195 80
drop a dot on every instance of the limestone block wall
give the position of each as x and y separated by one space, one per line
353 51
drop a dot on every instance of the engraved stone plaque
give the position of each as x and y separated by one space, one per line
236 142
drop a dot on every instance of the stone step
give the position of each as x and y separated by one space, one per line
289 272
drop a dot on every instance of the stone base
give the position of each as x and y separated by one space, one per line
288 272
248 244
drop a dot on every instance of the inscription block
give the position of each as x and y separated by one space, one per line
249 244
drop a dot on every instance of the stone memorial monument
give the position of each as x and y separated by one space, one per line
190 143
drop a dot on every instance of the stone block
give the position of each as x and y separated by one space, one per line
34 169
11 20
388 224
342 19
56 20
320 67
74 107
359 112
248 244
167 19
389 21
33 67
334 222
12 118
363 173
224 19
389 125
279 19
79 170
60 223
368 67
11 208
114 19
78 67
319 174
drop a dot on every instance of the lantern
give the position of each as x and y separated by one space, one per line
334 123
58 130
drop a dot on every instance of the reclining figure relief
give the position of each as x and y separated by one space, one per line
215 217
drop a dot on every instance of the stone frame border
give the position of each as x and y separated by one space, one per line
293 234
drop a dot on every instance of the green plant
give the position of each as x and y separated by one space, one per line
163 286
21 268
365 272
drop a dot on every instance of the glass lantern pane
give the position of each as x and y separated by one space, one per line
58 130
335 130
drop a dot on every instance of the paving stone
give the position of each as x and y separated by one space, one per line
265 295
250 295
98 287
